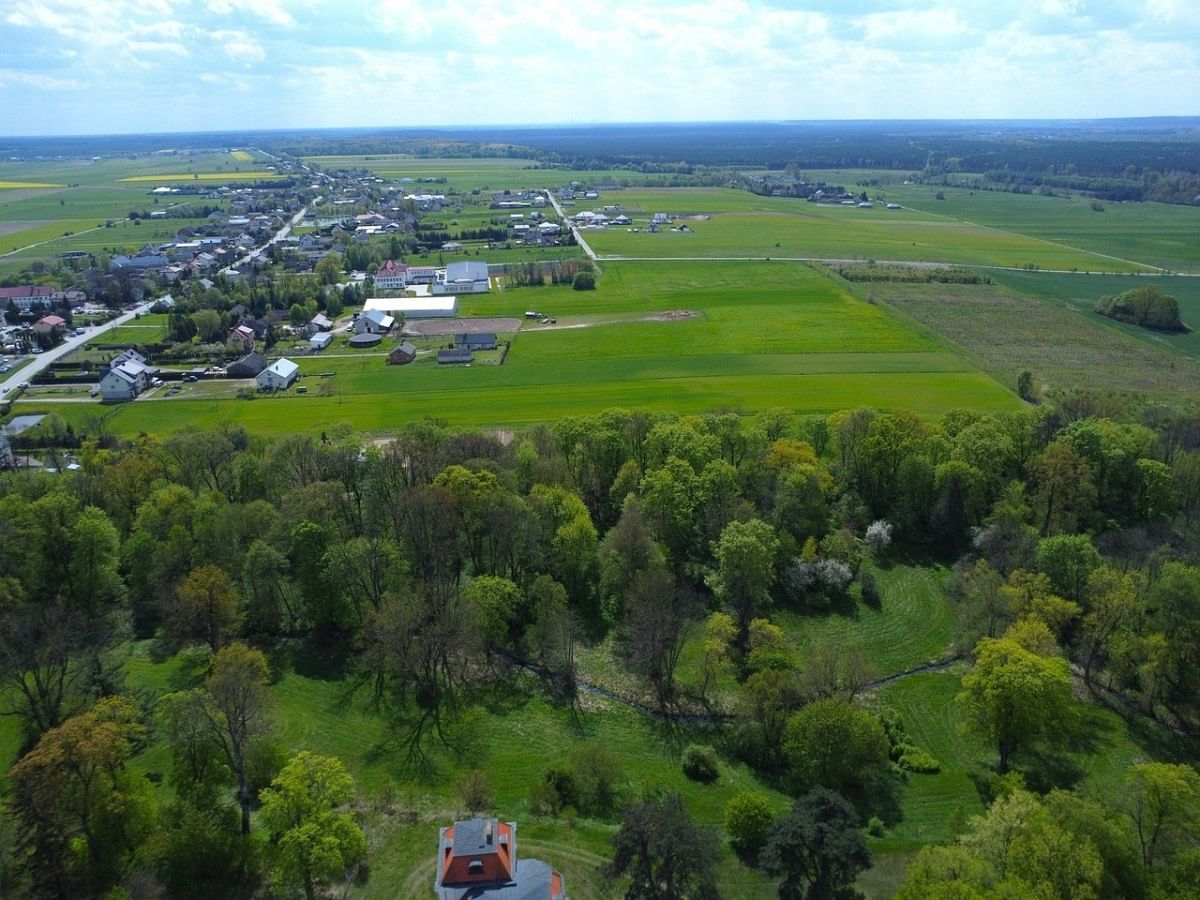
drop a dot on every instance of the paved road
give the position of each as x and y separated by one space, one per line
278 236
42 360
574 230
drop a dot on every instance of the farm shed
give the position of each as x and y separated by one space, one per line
247 367
475 340
278 376
454 357
402 355
321 340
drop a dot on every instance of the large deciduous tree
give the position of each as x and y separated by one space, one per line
664 854
1014 697
817 848
315 839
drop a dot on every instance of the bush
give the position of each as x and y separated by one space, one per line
879 536
597 773
700 763
555 791
1146 306
914 759
870 589
875 826
834 576
584 281
748 819
475 792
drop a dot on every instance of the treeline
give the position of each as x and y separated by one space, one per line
538 274
437 559
1146 306
913 275
436 238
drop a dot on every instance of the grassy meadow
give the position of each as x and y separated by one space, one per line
744 224
1006 330
1078 294
758 335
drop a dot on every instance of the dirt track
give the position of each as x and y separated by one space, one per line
428 327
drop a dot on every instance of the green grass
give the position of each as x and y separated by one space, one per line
1079 293
512 736
743 224
1156 234
1006 332
912 626
762 335
465 175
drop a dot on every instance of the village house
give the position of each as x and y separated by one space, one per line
48 324
477 859
127 376
391 276
247 367
319 322
278 376
241 337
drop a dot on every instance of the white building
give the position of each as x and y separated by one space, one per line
468 277
278 376
437 307
321 340
125 379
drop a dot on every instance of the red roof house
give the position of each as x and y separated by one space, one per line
47 324
391 276
477 859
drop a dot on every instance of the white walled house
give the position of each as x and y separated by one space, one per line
278 376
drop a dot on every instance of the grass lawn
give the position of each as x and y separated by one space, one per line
912 626
512 735
202 176
466 175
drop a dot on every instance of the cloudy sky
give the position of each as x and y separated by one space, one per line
103 66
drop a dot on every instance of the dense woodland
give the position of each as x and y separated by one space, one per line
440 564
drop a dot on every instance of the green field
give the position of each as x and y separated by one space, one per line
743 224
465 175
1006 331
760 335
1079 293
1157 234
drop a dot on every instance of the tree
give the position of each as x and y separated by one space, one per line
204 606
834 744
749 816
1014 697
329 268
239 712
817 848
1068 560
315 842
658 618
662 851
81 814
745 557
719 632
498 606
1064 492
1163 803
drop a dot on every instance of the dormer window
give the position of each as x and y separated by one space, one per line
475 867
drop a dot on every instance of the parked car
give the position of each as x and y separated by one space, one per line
24 385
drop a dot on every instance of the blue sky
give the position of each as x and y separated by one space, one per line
97 66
